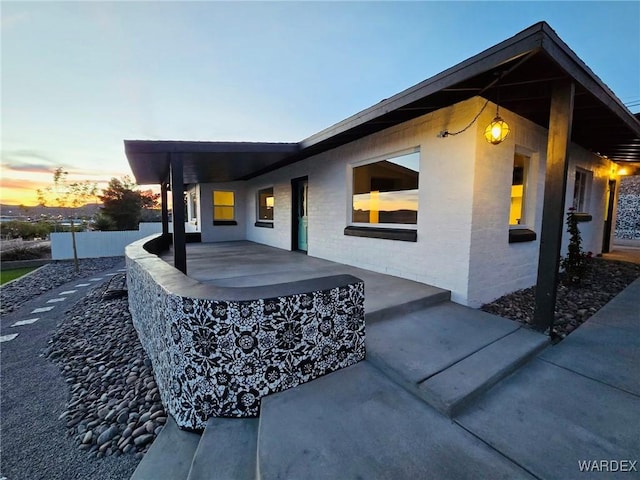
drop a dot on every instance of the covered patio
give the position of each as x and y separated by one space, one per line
248 264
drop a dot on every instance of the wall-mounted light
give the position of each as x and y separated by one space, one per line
270 202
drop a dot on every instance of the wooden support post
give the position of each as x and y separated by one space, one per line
165 209
177 202
553 214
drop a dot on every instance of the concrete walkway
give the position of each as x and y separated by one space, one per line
572 404
578 401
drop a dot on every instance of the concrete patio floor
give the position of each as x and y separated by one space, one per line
248 264
569 403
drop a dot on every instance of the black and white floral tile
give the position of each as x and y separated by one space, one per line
628 211
219 358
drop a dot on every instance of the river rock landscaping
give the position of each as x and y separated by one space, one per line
114 405
575 304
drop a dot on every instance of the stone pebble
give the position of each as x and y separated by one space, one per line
114 406
575 304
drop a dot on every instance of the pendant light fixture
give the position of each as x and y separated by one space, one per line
498 129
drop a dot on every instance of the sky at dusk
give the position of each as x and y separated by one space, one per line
77 78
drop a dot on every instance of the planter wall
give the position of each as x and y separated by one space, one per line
217 351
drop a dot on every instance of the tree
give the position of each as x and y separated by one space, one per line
69 196
123 205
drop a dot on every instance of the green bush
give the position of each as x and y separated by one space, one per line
25 253
25 230
577 262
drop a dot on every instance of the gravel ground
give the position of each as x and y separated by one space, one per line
44 405
51 276
575 303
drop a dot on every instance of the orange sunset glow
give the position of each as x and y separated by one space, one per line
19 186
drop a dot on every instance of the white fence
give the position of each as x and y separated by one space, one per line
99 244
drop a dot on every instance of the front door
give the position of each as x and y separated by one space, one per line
300 188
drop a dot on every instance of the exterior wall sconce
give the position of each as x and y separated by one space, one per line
497 130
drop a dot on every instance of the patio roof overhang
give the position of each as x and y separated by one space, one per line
525 68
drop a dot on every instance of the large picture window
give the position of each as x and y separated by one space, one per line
386 192
265 205
223 206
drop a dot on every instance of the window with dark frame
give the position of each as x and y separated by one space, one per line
386 191
265 205
517 208
580 191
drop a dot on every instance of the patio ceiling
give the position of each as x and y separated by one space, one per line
525 67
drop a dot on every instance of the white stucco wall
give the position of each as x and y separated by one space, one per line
222 233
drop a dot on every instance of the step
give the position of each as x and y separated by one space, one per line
433 297
415 346
170 455
357 423
227 450
452 389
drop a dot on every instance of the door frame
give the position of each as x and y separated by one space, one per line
608 222
295 204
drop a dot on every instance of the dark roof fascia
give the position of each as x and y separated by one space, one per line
517 46
180 146
567 59
538 37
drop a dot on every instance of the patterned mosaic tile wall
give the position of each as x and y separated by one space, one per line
628 217
218 358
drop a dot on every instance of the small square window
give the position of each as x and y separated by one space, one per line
266 204
223 205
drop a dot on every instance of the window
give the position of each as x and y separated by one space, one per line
265 205
223 206
518 190
386 192
581 190
194 205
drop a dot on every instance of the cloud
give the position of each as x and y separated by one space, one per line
12 183
30 161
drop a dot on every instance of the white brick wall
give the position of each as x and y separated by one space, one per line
441 254
463 204
222 233
497 267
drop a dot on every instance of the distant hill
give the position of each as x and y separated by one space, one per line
37 211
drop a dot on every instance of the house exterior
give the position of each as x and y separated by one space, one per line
410 187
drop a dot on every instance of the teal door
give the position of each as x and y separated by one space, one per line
301 219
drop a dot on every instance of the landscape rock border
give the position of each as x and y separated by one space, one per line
575 303
114 406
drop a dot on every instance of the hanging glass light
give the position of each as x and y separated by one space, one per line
497 130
